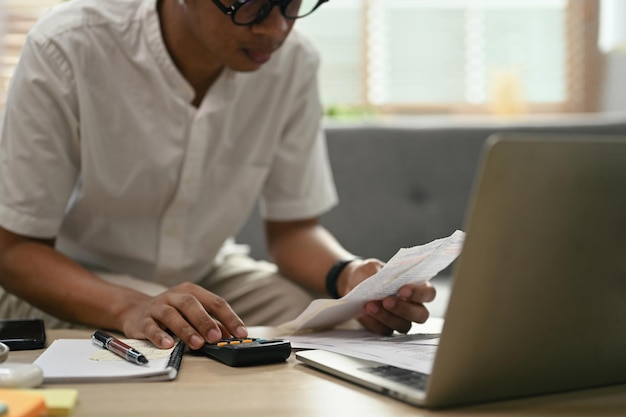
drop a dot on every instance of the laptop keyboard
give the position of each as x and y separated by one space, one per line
407 377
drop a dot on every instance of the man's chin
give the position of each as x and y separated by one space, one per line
245 67
254 59
249 61
258 57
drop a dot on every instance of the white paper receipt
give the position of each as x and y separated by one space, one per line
407 266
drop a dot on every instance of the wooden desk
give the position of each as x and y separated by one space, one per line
205 387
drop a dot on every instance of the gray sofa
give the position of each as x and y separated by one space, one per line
405 183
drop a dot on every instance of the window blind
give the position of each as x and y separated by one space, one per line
447 55
426 55
16 19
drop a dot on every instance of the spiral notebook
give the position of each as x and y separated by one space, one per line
79 360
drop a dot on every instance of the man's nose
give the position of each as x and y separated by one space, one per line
274 24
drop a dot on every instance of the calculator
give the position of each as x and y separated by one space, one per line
248 351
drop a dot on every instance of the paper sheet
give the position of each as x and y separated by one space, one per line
77 360
410 265
415 351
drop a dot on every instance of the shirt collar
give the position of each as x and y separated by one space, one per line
152 33
221 89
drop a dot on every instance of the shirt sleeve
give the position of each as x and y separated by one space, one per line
300 183
39 146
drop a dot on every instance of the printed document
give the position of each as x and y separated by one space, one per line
414 351
407 266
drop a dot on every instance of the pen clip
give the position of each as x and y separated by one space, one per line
101 339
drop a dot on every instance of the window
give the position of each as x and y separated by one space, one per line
428 56
503 56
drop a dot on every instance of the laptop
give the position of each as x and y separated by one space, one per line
538 301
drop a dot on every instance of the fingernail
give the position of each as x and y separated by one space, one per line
214 335
241 331
405 293
389 303
167 342
373 308
196 341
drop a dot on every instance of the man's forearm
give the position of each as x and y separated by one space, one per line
304 251
54 283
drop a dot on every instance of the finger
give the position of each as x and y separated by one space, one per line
376 310
224 330
409 311
370 266
373 325
418 293
222 311
154 333
361 270
184 316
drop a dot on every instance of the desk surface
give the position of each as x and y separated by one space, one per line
205 387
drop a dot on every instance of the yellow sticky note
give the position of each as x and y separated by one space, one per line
59 401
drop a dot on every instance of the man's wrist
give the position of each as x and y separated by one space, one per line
332 277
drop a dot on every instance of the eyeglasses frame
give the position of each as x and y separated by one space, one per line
282 4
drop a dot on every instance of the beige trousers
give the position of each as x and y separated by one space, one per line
254 289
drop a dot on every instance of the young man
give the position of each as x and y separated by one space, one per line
137 137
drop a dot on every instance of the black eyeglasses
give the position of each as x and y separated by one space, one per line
250 12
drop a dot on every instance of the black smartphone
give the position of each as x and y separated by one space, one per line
23 334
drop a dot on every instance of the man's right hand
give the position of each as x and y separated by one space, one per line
188 311
34 270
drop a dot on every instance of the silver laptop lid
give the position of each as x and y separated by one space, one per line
538 302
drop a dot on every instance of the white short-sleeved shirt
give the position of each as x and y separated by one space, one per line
100 146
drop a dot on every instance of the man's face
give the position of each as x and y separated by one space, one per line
242 48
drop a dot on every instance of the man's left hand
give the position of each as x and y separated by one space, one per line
396 312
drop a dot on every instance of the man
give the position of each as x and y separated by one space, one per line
137 137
